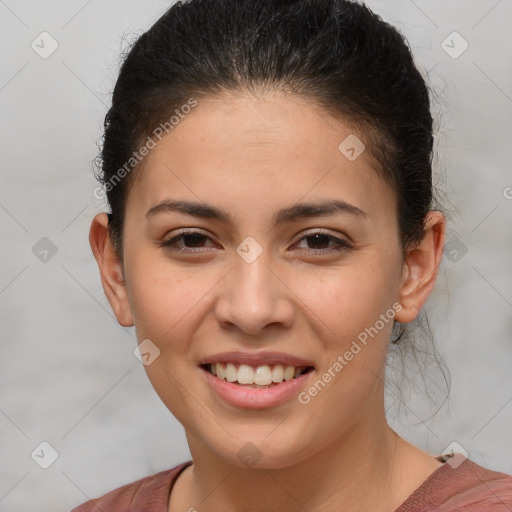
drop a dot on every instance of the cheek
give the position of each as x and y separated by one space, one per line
338 303
347 299
349 305
161 297
166 303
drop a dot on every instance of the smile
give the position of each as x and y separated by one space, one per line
262 376
256 396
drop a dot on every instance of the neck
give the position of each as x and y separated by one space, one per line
360 470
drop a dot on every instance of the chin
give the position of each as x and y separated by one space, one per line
262 453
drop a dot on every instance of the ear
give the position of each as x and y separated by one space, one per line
421 266
111 269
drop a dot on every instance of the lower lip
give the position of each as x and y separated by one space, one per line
254 398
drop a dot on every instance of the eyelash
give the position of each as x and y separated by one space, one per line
342 245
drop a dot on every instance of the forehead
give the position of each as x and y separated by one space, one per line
242 150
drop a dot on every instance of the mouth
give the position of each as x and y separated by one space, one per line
259 377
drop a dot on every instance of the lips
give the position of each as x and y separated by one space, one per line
278 390
256 397
264 375
257 359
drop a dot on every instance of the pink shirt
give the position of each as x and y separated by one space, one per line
468 487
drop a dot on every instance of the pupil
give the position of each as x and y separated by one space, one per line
197 238
318 237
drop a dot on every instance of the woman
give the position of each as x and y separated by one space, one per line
268 168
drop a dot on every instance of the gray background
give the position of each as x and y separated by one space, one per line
67 370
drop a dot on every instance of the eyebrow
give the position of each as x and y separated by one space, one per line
289 214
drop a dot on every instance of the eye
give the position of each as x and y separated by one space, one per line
195 239
319 238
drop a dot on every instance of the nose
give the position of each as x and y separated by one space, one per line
253 296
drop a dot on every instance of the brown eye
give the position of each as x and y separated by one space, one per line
191 239
319 241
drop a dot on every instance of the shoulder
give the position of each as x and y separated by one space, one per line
462 485
480 488
150 491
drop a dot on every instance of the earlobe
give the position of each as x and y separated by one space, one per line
111 269
421 267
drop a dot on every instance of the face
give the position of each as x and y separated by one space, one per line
309 284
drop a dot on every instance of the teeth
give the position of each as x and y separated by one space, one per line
277 373
245 374
263 375
231 372
289 372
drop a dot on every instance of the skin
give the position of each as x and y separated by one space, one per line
252 156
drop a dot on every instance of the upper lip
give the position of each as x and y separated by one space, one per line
257 359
